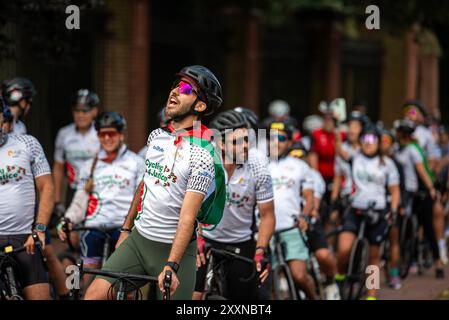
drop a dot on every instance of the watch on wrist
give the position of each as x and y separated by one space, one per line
264 249
40 227
173 265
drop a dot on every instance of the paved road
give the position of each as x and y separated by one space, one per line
424 287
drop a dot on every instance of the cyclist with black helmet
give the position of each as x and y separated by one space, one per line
418 177
23 170
158 234
106 188
75 144
374 177
248 184
18 95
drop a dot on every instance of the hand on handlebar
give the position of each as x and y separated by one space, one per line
30 244
302 223
263 265
174 280
63 227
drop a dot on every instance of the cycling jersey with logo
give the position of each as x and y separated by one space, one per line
290 177
343 168
319 185
173 167
250 184
19 128
371 178
427 142
74 149
409 157
21 161
115 184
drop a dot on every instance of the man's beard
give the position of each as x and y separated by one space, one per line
181 110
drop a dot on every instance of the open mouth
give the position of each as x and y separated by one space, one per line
172 102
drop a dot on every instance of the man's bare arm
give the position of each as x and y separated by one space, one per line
267 223
46 190
189 210
132 212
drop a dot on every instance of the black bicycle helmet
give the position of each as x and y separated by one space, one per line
251 118
208 83
110 119
299 150
286 125
417 104
16 89
404 125
358 116
229 119
371 129
389 133
85 97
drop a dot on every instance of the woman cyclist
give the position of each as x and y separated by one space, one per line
374 176
106 189
418 181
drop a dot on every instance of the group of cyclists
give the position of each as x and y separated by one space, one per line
195 188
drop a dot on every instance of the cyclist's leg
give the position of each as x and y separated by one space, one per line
91 245
425 216
32 275
345 241
234 270
318 245
56 272
296 254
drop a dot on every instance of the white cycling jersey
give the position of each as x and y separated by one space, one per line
409 157
427 142
174 166
249 185
343 168
290 177
115 184
371 178
74 149
21 161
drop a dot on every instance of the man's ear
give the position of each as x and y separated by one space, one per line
200 106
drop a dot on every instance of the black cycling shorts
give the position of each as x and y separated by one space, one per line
316 237
31 269
234 270
374 233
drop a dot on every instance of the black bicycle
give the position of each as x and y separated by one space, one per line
10 288
125 284
107 247
354 284
215 274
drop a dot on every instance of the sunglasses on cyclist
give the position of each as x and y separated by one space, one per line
370 139
281 137
111 134
184 87
387 140
82 110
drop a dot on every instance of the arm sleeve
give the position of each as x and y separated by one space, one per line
415 156
392 174
140 170
59 148
202 170
84 175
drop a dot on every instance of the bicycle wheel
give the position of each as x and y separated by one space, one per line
385 258
356 275
407 244
283 284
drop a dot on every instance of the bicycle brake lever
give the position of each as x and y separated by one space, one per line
38 245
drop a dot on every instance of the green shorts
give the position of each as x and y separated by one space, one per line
139 255
294 247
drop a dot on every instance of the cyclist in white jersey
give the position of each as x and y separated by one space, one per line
24 169
416 112
374 176
248 184
115 174
18 95
75 144
292 182
316 235
158 234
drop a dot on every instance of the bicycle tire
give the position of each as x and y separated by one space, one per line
407 244
358 262
282 273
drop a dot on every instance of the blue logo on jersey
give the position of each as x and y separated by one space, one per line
205 174
157 148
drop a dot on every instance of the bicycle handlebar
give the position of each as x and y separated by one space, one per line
230 255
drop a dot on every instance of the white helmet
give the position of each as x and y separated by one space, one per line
311 123
279 108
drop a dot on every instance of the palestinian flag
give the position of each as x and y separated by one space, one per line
211 210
